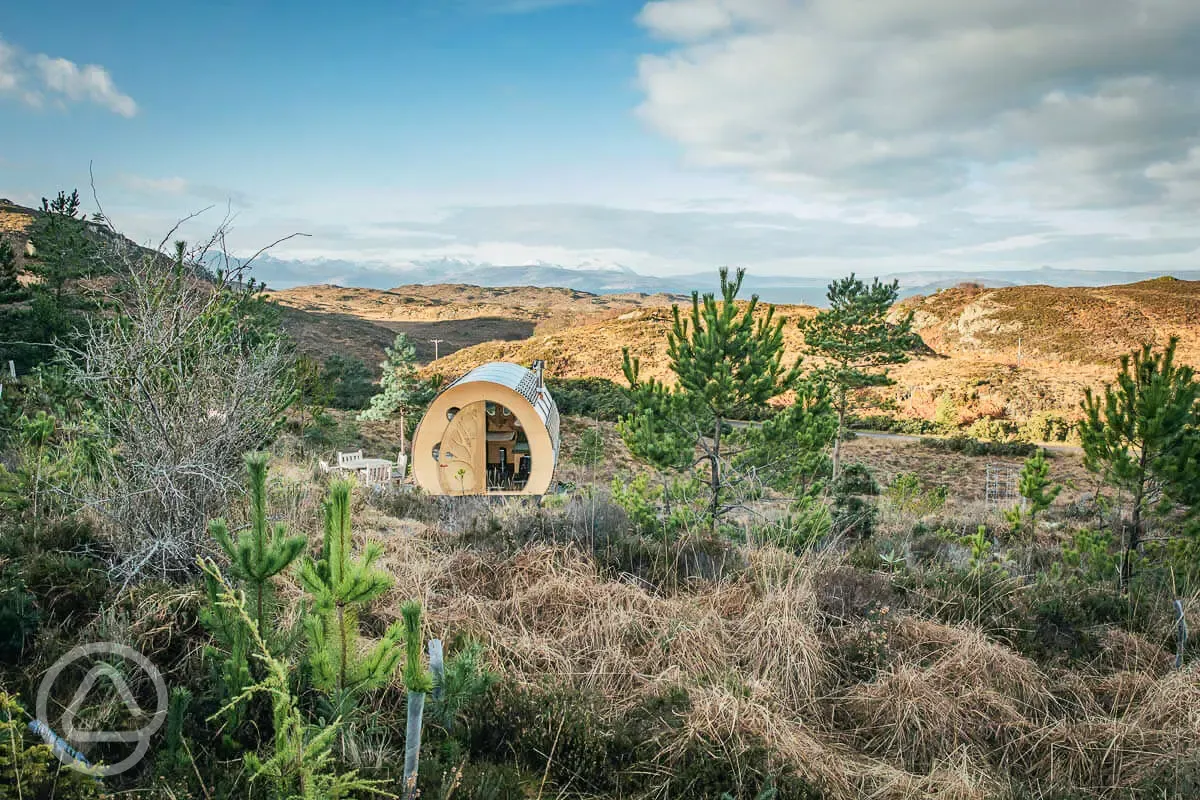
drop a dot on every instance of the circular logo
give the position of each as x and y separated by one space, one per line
76 736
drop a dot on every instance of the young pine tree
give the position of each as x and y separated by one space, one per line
1133 436
401 391
857 343
419 683
724 360
1036 488
301 764
10 287
259 554
340 585
256 556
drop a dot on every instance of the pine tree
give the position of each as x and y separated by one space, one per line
301 765
857 343
256 556
418 682
340 585
790 451
400 389
1135 435
10 287
313 394
655 431
724 360
262 552
1036 488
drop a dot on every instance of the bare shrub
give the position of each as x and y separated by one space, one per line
182 381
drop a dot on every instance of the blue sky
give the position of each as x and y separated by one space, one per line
793 137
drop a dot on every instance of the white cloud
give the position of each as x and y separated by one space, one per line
35 78
1062 105
173 186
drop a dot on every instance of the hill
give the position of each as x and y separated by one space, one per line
1094 325
1070 339
459 315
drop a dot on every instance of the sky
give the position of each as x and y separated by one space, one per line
793 137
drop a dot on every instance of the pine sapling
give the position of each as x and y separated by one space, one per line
301 765
262 552
419 683
340 586
1037 492
255 556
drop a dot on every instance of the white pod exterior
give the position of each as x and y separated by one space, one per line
492 431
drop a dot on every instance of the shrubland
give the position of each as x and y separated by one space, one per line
708 611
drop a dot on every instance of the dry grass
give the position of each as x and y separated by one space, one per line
954 714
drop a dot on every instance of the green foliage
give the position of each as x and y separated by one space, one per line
340 585
1090 555
174 760
57 307
992 430
658 510
400 391
19 616
259 554
10 288
1144 429
981 549
853 514
724 361
857 342
313 394
1047 426
594 398
656 433
590 450
1039 494
301 765
887 424
416 677
908 495
947 411
29 770
806 523
465 682
790 451
49 575
969 446
350 380
256 556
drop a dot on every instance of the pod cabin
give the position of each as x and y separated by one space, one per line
492 431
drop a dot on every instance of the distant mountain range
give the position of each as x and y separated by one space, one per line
617 279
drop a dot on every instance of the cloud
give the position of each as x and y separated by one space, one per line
1060 105
33 79
181 187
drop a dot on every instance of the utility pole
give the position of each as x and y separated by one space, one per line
435 347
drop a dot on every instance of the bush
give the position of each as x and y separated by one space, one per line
29 770
973 447
622 757
888 424
908 495
806 523
852 514
992 430
595 398
1047 426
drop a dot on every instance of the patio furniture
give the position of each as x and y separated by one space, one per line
345 459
